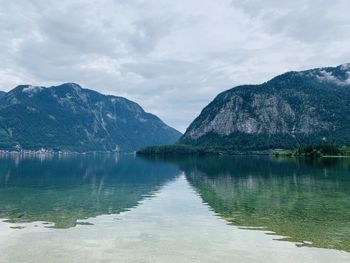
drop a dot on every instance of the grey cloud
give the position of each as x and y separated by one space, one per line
311 21
172 57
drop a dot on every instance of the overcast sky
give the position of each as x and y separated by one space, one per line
170 56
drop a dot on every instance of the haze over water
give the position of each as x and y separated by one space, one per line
110 208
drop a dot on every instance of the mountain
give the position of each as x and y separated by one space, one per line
70 118
291 110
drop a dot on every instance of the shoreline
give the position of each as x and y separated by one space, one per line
336 156
51 152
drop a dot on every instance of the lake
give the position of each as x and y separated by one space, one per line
123 208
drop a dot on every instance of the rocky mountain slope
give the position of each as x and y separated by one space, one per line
68 117
291 110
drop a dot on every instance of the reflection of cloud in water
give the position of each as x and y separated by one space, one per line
172 226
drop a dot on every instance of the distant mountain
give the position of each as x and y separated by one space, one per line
2 93
291 110
68 117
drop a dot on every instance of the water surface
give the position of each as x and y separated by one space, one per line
218 209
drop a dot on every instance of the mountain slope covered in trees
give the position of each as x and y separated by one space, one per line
70 118
291 110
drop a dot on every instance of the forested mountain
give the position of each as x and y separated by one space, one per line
70 118
291 110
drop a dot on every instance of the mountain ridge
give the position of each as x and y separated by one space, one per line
290 110
71 118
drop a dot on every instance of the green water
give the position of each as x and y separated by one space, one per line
64 190
301 200
220 205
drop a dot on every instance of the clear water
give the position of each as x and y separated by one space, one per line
110 208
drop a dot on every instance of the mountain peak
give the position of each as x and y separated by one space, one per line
68 86
345 67
68 117
291 110
31 89
340 76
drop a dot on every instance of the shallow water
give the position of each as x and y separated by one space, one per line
109 208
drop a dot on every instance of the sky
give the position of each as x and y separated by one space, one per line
171 57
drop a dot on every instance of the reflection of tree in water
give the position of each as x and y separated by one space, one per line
305 201
63 190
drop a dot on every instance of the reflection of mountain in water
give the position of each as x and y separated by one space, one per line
63 190
305 201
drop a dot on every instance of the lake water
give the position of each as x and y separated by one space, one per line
121 208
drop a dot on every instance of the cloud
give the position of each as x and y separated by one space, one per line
172 57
